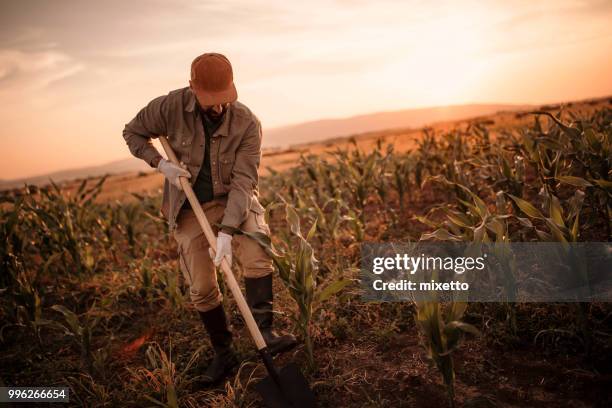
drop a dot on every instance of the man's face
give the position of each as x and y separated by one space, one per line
212 111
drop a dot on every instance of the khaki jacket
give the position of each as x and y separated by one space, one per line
234 157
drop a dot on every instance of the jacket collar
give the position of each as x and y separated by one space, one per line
190 106
224 128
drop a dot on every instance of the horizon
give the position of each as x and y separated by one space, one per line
128 156
264 148
54 56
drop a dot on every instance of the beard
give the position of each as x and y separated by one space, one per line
214 116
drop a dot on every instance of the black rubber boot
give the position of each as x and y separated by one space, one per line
259 297
225 358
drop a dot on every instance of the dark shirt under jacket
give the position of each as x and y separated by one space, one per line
203 185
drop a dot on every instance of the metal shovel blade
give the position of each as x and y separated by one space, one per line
291 390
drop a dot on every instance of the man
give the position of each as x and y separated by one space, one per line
218 142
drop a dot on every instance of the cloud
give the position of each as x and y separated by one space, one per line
22 70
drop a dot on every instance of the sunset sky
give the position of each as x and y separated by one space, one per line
72 73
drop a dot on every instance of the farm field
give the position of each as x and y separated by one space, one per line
92 297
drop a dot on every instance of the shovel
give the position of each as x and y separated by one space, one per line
284 388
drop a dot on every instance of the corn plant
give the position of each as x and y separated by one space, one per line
356 225
363 173
81 331
128 221
402 169
429 156
65 223
170 288
478 224
442 334
577 154
564 233
298 268
329 217
12 241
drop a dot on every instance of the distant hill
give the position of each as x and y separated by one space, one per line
409 118
296 134
115 167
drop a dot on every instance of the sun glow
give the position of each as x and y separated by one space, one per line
444 59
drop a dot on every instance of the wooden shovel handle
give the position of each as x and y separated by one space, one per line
230 280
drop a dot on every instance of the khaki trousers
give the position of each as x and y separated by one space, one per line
196 265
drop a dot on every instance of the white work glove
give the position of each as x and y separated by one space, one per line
224 248
172 172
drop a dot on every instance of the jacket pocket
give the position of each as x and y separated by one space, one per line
259 213
182 144
256 206
262 225
226 165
